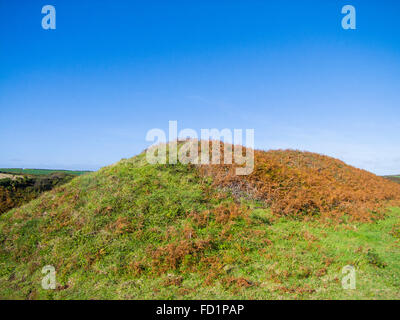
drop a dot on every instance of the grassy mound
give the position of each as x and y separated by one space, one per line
140 231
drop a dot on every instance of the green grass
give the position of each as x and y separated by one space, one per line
40 171
136 231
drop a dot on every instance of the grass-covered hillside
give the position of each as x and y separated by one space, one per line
140 231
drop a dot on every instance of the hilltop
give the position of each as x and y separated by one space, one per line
139 231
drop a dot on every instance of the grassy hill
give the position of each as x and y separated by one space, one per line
139 231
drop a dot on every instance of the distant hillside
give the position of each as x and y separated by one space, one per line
139 231
9 176
19 186
40 171
393 178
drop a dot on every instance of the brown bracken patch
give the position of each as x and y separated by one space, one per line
305 184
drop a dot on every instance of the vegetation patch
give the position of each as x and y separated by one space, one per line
305 184
21 189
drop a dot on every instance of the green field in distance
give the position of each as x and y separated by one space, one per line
40 171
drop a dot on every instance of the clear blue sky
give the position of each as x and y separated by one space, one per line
84 95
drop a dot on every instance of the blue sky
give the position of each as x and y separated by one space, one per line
84 95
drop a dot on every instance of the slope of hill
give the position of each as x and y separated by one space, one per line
140 231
